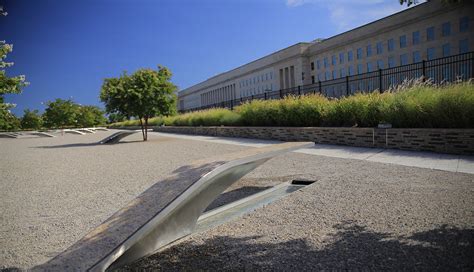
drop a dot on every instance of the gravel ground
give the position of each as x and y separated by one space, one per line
358 215
53 191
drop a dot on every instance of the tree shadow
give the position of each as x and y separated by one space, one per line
352 247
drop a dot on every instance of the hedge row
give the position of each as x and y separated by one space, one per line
420 106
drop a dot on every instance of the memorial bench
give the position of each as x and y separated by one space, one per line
165 212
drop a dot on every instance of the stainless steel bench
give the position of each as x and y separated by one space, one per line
116 137
165 212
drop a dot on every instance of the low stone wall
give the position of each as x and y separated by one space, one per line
452 141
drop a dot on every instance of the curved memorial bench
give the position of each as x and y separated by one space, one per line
165 212
85 130
73 131
116 137
43 134
8 135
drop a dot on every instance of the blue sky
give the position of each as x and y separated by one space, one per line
66 48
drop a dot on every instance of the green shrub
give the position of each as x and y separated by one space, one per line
413 105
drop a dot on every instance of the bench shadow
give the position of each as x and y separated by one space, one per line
234 195
84 144
352 247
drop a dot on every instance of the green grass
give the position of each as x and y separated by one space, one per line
414 106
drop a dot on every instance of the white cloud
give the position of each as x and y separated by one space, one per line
348 14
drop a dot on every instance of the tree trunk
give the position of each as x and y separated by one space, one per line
146 128
141 125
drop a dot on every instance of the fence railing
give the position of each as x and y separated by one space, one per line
446 69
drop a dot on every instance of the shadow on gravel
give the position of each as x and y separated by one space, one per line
234 195
352 247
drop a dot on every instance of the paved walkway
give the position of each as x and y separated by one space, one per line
430 160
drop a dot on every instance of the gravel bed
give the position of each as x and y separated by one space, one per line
53 191
358 215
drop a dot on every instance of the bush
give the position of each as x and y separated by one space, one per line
419 105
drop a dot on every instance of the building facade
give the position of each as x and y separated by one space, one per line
425 32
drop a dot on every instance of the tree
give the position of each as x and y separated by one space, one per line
31 120
115 117
144 94
8 121
8 85
414 2
90 116
61 113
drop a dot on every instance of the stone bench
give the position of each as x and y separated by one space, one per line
165 212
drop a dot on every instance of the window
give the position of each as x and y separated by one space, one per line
464 24
369 50
334 74
350 57
341 57
391 45
342 72
326 62
391 62
403 59
328 75
446 29
360 69
403 41
463 46
430 53
359 53
351 70
318 64
379 48
333 60
430 33
416 37
446 50
369 67
416 56
312 80
312 66
380 64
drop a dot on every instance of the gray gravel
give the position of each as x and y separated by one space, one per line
359 215
53 191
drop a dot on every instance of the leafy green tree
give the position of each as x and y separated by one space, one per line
8 85
115 117
144 94
8 121
90 116
31 120
414 2
61 113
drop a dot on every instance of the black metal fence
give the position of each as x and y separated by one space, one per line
441 70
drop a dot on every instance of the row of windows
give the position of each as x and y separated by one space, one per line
379 48
257 90
256 79
391 61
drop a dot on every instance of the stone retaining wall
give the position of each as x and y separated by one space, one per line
452 141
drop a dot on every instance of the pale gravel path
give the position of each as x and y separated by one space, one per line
359 214
54 190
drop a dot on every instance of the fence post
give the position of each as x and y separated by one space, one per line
252 98
232 104
380 81
319 87
472 64
299 90
265 96
281 96
347 85
423 70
